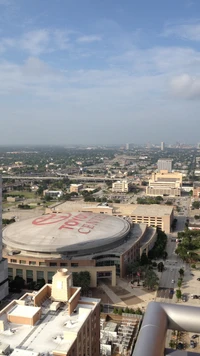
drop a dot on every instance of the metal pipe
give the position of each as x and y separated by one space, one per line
160 317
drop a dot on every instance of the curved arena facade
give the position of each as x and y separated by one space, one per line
99 243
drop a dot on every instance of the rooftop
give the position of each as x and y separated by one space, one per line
152 210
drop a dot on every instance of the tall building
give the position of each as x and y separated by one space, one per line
3 261
164 165
162 146
127 146
55 321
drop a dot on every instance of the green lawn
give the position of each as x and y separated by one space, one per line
25 193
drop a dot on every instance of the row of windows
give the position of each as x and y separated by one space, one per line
51 264
29 274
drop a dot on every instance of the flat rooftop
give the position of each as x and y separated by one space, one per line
54 331
23 311
152 210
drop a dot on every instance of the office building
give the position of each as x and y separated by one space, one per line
3 261
162 146
121 186
76 188
55 321
165 184
127 146
53 193
164 165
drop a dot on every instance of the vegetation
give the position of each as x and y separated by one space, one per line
127 310
178 294
8 221
82 279
189 246
149 200
196 204
159 248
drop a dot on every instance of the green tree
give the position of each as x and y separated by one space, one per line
179 283
160 266
181 272
178 294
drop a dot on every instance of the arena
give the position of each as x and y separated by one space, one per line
81 241
74 234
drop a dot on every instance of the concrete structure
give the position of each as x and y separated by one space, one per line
196 189
160 317
121 186
101 244
154 215
162 146
127 146
53 193
3 261
56 321
165 183
76 188
165 165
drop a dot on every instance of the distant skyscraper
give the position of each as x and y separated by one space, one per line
198 145
162 146
164 164
127 146
3 262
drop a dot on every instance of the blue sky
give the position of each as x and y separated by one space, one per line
99 71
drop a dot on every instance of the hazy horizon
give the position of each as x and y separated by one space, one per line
91 71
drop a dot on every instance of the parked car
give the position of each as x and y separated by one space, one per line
192 344
184 298
195 336
198 279
173 281
191 274
180 346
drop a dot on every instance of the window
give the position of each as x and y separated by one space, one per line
74 264
49 276
42 264
10 272
13 260
29 276
32 263
22 262
52 264
62 264
19 272
40 275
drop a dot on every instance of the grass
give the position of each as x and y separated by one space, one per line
25 193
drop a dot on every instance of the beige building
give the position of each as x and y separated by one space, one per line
196 190
121 186
165 183
56 321
76 188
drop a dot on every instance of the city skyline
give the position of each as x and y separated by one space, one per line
90 72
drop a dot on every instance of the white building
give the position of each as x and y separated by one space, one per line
3 261
162 146
164 165
121 186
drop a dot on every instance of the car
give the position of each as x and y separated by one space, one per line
184 298
195 296
192 274
192 344
180 346
195 336
198 279
173 281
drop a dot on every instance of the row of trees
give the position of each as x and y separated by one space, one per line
158 251
150 200
190 241
127 310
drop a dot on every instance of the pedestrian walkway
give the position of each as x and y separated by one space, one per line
136 291
115 299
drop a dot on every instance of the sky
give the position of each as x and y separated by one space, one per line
99 71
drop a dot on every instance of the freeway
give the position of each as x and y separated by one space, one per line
77 178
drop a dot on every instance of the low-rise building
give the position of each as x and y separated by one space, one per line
76 188
121 186
165 183
56 321
53 193
196 189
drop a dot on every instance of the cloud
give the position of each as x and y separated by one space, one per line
35 42
89 39
189 32
186 86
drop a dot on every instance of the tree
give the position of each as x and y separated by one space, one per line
82 279
181 272
160 266
151 279
179 283
178 294
172 344
193 265
165 255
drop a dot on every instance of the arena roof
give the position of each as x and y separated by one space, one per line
66 233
